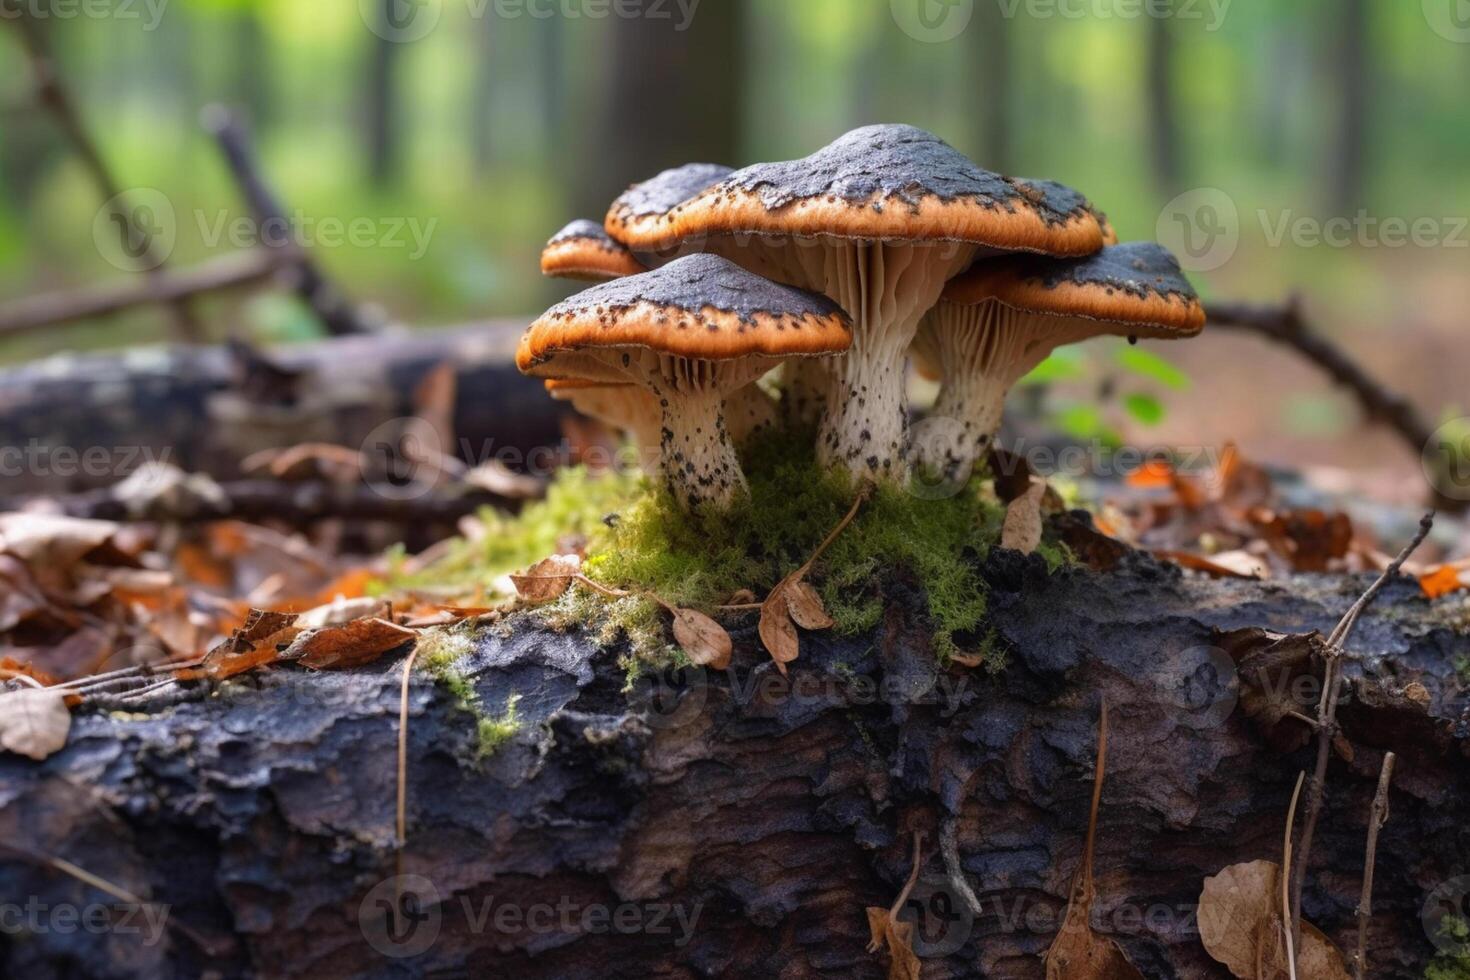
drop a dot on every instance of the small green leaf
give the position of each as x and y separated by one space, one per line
1059 366
1145 408
1080 421
1151 365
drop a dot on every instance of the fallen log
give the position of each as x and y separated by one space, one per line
738 823
78 422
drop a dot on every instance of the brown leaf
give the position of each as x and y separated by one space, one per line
1241 927
703 639
806 608
34 722
351 645
548 579
51 541
1441 581
898 938
1226 564
1022 528
777 631
250 646
341 611
495 477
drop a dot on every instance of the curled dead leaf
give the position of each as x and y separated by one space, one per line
703 639
898 938
806 607
548 579
777 631
34 722
1022 528
1241 927
349 645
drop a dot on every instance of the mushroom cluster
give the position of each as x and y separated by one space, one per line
886 243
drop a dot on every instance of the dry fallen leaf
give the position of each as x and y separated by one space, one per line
1441 581
703 639
1078 953
896 937
1022 528
806 607
250 646
1241 927
34 722
548 579
777 631
1226 564
350 645
51 541
495 477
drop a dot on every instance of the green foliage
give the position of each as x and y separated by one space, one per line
1148 364
1145 408
1448 966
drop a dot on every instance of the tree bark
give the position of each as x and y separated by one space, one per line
1351 58
1162 113
738 823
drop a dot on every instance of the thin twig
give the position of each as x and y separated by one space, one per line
1377 817
1286 865
949 847
1327 715
841 526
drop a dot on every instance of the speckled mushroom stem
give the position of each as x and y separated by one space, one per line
886 289
697 458
983 351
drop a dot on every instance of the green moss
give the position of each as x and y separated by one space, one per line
1447 966
440 653
699 560
639 540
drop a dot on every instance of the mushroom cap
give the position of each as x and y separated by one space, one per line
1068 200
1138 284
878 183
584 250
558 386
640 208
701 307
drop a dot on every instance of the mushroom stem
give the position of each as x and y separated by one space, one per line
749 411
886 289
698 462
804 384
984 350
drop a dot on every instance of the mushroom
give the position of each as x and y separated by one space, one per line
1059 197
642 207
1005 316
690 332
583 250
878 220
621 405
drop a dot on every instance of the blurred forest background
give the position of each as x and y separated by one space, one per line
500 123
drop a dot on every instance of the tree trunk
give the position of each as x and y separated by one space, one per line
380 107
992 87
669 94
1162 118
1352 61
739 823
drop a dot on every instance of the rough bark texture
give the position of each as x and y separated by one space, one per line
773 811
